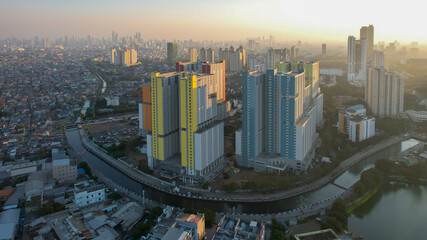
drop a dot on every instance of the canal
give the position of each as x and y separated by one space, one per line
345 180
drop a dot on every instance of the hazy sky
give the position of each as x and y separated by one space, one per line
316 20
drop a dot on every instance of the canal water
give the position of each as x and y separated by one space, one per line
345 180
398 211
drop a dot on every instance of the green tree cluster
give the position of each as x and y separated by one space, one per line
20 179
369 180
156 212
277 230
51 208
86 167
337 216
100 103
141 229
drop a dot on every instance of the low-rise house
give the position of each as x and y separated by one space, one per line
87 193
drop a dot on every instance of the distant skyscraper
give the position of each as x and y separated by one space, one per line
293 53
253 63
127 57
210 56
384 92
367 33
138 37
351 58
271 41
113 57
251 45
224 55
46 43
193 55
324 50
114 37
273 56
203 55
378 59
357 61
172 52
243 51
235 60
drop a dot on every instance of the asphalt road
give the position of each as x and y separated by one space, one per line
202 194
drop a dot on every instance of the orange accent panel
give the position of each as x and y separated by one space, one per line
146 94
147 112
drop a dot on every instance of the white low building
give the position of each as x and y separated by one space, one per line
361 128
87 193
417 116
113 101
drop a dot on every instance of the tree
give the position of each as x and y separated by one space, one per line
156 211
209 217
334 224
51 208
277 235
142 166
359 188
206 185
385 166
337 216
140 229
86 167
371 178
277 230
274 220
47 209
100 103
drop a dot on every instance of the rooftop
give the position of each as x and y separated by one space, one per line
7 231
175 234
357 107
87 186
10 216
191 217
7 192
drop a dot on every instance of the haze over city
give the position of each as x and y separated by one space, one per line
213 120
310 20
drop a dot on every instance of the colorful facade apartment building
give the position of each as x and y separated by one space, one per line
184 130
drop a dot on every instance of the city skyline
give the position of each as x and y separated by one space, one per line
315 22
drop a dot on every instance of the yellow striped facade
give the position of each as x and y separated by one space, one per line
156 107
343 129
360 131
188 116
161 133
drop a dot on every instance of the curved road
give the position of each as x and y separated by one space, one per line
214 196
